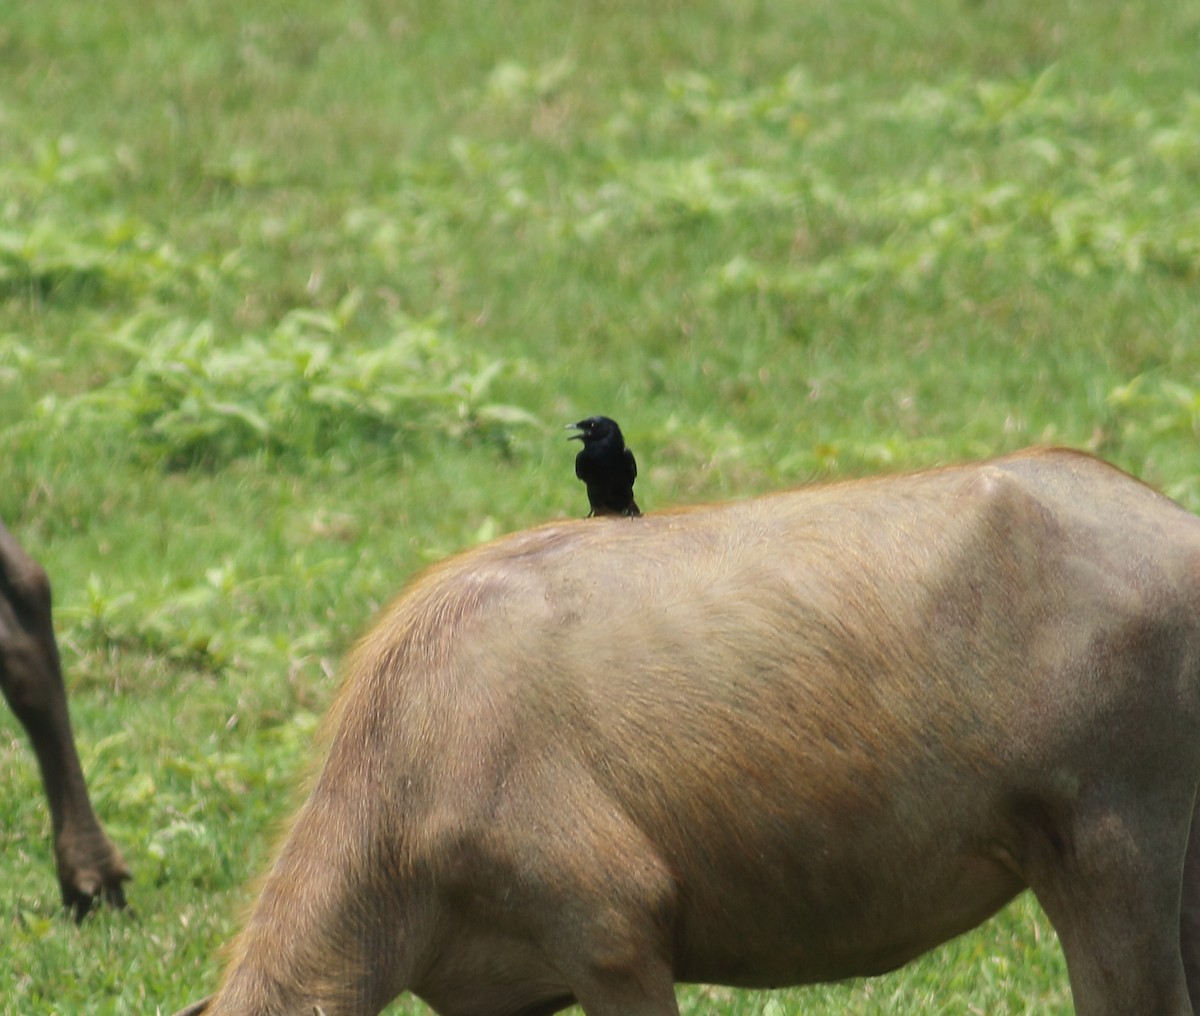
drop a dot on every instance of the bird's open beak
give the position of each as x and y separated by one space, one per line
575 426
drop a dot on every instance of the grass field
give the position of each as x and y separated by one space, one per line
297 297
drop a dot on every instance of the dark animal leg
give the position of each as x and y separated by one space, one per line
1189 916
642 989
1110 884
609 902
89 866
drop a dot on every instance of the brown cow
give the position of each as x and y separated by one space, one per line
791 739
89 866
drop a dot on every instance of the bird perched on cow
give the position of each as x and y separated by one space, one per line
606 466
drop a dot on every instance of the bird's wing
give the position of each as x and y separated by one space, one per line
631 463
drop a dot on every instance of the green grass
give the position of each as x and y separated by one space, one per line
297 298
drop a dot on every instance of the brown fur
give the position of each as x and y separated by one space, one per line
89 866
779 741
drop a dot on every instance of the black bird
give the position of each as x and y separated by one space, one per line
606 466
